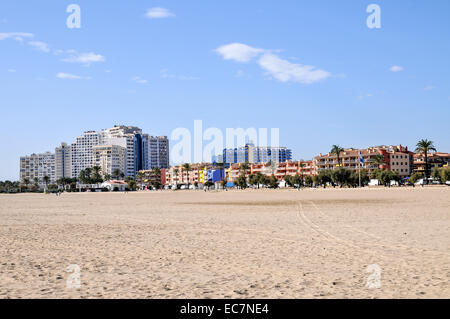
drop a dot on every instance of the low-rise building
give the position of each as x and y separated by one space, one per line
279 170
435 160
396 158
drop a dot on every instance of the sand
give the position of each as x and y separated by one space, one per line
236 244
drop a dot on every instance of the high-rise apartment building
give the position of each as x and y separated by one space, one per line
129 137
155 151
63 161
109 158
38 166
82 155
256 154
142 151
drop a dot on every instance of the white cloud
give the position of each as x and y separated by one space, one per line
40 46
68 76
12 71
429 88
139 80
159 13
396 68
238 52
18 36
285 71
84 58
166 75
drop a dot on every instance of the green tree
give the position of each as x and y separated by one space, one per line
436 174
341 176
445 174
116 173
241 182
175 172
272 182
244 168
26 182
96 176
324 177
415 177
337 150
132 185
289 180
425 147
309 181
46 180
378 160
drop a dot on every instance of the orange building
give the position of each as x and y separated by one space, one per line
396 158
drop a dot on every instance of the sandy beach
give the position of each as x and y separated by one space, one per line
235 244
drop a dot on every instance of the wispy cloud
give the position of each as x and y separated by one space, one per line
363 96
276 67
285 71
166 75
238 52
396 68
83 58
12 70
68 76
18 36
159 13
139 80
429 88
40 46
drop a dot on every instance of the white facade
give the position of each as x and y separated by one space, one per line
38 166
155 152
109 158
63 161
82 156
130 138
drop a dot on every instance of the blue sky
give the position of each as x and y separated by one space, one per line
124 66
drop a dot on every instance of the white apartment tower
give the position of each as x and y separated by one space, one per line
155 152
63 161
109 158
38 166
82 155
129 137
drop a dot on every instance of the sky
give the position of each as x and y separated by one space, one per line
313 69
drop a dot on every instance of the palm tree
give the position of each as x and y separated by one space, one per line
244 168
36 182
302 165
379 160
175 172
156 171
140 178
96 176
337 150
46 181
107 177
424 147
116 173
26 182
187 168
